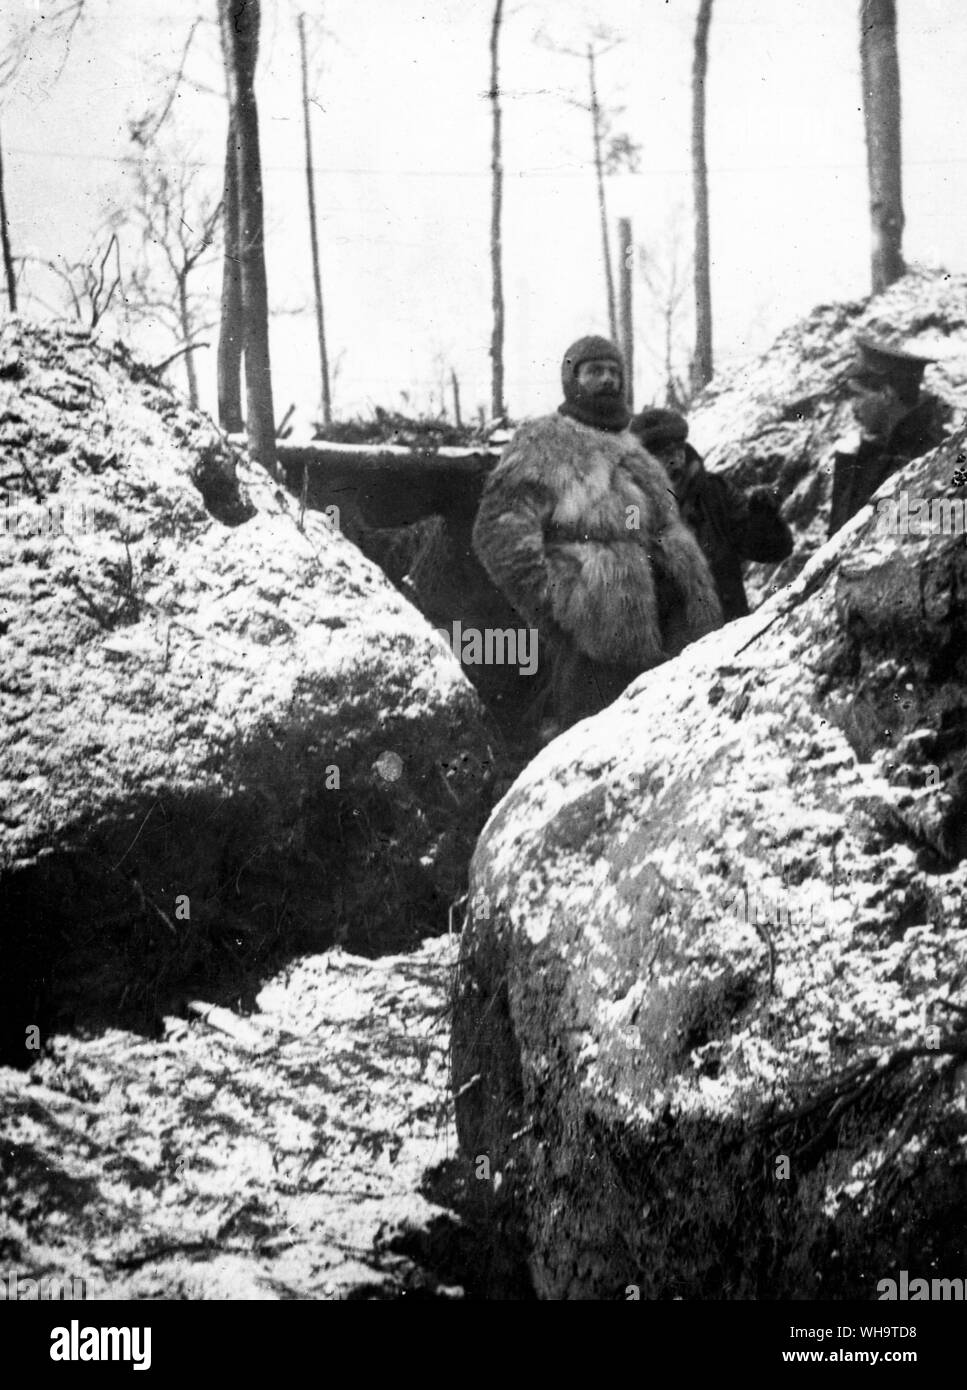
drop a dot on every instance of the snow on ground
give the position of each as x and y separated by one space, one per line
275 1162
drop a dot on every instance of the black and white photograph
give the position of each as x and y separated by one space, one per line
483 667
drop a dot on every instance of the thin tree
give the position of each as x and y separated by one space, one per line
313 230
881 115
702 360
667 274
597 135
497 408
611 151
8 271
229 362
626 251
177 225
239 25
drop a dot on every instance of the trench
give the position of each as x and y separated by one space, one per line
295 1141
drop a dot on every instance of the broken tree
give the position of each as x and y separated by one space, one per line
239 26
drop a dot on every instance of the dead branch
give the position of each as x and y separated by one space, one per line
100 307
142 133
159 367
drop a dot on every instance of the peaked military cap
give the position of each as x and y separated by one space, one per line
879 364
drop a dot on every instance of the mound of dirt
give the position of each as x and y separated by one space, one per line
224 736
711 1020
280 1156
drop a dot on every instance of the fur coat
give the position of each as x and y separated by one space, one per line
580 531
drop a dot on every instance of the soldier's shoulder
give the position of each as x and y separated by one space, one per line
540 427
531 444
635 457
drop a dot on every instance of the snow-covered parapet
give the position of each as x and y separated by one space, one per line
201 697
710 1023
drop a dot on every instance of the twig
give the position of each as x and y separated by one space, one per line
841 1093
97 309
137 836
454 906
147 902
158 367
144 133
766 936
185 1247
75 9
38 495
93 607
467 1084
756 635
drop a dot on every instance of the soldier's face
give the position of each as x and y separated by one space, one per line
599 377
672 456
876 408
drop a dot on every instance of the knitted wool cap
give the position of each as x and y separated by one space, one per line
589 349
656 428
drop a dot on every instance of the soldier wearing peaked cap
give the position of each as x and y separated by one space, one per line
898 422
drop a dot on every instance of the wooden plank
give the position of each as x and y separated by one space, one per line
356 460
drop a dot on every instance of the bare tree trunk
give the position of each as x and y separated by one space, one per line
702 360
240 31
626 253
881 115
314 231
455 383
230 324
497 407
670 391
599 175
184 319
5 238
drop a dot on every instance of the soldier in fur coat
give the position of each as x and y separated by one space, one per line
579 529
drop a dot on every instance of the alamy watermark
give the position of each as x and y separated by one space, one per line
914 1289
22 518
47 1288
904 515
494 646
77 1343
783 909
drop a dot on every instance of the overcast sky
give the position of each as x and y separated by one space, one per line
401 127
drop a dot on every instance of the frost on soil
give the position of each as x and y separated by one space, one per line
290 1166
199 695
225 742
